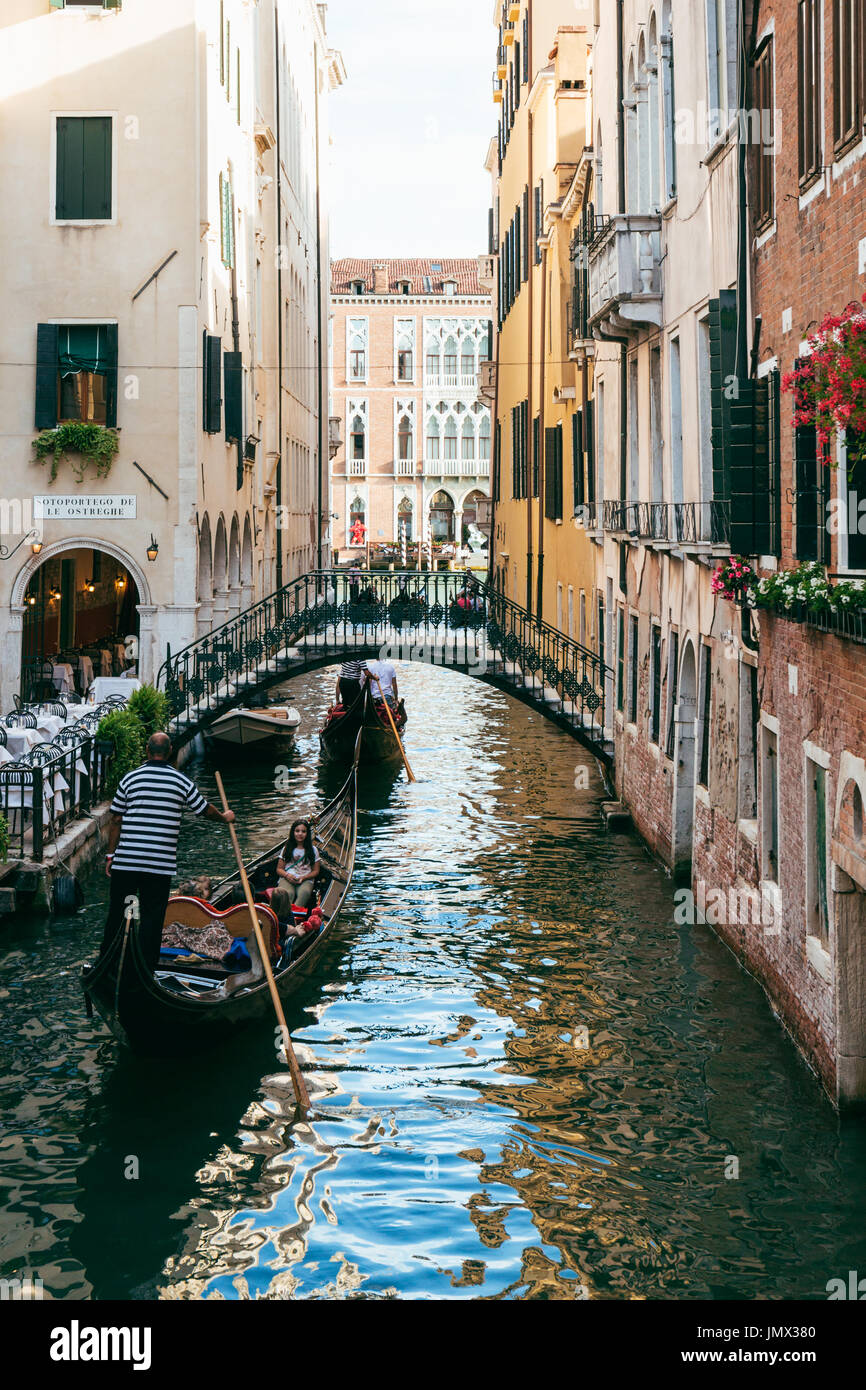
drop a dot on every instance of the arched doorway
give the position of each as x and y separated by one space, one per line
204 583
247 577
234 602
404 520
685 727
470 535
442 517
80 621
220 575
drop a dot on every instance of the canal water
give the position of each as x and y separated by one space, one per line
527 1081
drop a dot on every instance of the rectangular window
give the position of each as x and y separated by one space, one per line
769 806
849 23
599 632
536 455
227 221
212 374
809 78
765 159
656 685
817 904
76 374
83 190
632 669
405 366
357 364
553 473
578 477
673 690
747 763
620 660
706 714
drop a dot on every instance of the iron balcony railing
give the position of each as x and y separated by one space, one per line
674 523
330 612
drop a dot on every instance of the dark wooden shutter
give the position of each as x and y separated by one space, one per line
70 168
212 377
774 401
234 395
723 349
577 460
111 375
589 430
526 231
553 473
83 168
46 376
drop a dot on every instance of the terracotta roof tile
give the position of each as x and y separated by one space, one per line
420 272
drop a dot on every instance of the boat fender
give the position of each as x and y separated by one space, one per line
67 895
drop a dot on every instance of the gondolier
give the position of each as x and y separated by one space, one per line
350 682
142 843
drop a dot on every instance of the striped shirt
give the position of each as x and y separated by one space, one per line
151 800
353 671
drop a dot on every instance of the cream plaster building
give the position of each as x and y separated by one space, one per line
163 273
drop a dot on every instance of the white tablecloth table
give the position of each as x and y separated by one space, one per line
20 741
63 677
85 672
104 686
49 726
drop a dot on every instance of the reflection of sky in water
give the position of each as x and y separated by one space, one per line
468 1138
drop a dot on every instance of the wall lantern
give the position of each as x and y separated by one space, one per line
89 587
120 583
152 549
36 547
54 593
31 598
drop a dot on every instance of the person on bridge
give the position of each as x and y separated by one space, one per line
142 844
384 673
350 682
298 865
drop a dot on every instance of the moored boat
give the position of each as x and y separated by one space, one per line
243 727
188 1004
369 719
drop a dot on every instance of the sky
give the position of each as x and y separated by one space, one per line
411 127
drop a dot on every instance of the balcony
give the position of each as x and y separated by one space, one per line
404 468
335 441
501 61
457 468
513 10
497 89
508 32
625 276
357 468
693 527
487 383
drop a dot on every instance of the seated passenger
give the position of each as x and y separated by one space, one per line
299 865
383 678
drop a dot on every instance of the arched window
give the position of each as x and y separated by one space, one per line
404 519
668 102
432 437
651 67
449 360
359 438
357 512
357 349
451 438
467 358
404 438
442 517
484 439
468 441
632 142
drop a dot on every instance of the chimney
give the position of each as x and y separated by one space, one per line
380 278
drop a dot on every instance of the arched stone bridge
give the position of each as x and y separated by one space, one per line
327 615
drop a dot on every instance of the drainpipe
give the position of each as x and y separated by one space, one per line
542 442
496 465
621 184
319 293
530 287
743 219
280 312
236 328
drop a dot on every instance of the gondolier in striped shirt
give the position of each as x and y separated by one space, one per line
142 843
350 682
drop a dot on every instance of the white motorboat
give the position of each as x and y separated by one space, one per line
244 727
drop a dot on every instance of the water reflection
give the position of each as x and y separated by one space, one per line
527 1082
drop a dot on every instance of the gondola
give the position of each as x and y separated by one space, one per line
378 743
186 1007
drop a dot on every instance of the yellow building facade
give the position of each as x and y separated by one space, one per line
543 555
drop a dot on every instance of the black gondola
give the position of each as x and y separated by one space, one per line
365 717
188 1006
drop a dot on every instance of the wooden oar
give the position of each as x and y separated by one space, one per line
297 1079
412 777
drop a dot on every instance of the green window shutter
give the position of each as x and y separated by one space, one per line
577 459
774 390
57 4
111 4
110 331
590 451
723 347
46 376
212 374
83 184
234 398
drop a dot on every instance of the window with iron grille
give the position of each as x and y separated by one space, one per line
765 156
632 669
706 721
849 72
810 115
656 684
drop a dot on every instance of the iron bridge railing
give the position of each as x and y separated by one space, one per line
448 618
